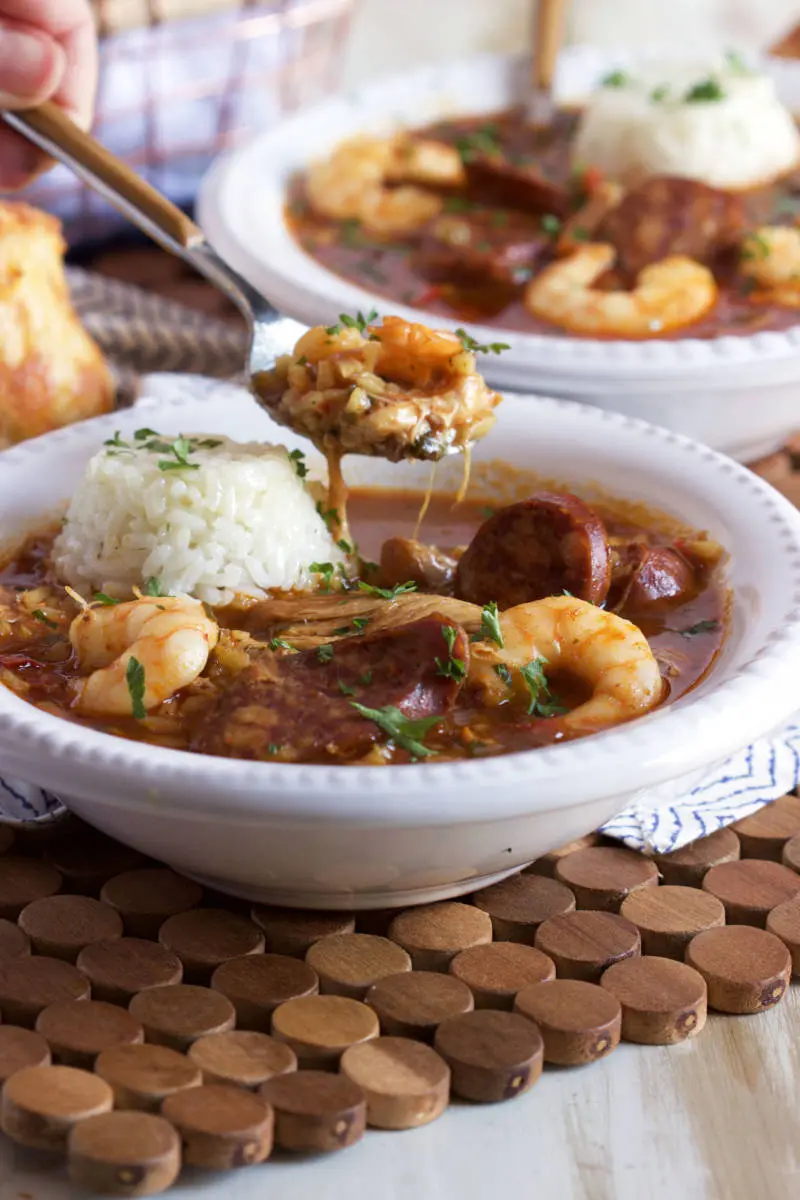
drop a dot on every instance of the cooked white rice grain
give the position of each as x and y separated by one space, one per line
240 521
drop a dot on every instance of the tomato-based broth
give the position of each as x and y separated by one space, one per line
523 207
409 657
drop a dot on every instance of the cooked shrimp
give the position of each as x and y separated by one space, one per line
351 183
668 295
771 258
609 653
170 636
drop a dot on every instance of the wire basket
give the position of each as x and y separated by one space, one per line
179 89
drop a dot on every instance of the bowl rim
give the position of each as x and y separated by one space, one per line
309 292
670 742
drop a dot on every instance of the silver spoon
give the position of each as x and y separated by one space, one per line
54 132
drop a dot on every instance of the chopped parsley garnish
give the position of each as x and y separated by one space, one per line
452 667
706 89
550 224
616 79
361 622
487 511
401 730
344 689
181 448
117 441
152 587
490 625
399 589
756 247
366 679
659 93
580 234
299 459
700 627
40 616
359 322
503 672
325 653
329 515
134 677
481 141
102 598
344 546
273 748
456 204
141 435
302 361
325 570
470 343
542 703
279 644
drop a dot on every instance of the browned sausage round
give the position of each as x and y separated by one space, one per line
543 546
494 180
662 577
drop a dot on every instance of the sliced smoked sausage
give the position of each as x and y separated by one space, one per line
492 179
543 546
407 560
470 249
650 578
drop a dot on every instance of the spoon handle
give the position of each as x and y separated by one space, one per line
548 30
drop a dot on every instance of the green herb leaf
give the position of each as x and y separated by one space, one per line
387 593
490 625
660 93
453 668
298 458
117 441
542 703
302 361
325 570
503 672
469 343
273 748
359 322
361 622
550 224
700 627
152 587
344 546
102 598
329 515
325 653
480 141
457 204
580 234
206 444
134 677
400 729
169 465
366 679
616 79
705 90
345 690
142 434
279 644
756 248
40 616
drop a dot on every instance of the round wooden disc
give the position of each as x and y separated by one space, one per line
78 1030
583 944
602 876
40 1105
61 926
178 1015
688 865
668 917
13 942
124 1154
30 984
349 963
206 937
293 930
546 865
784 922
23 880
745 969
120 968
21 1048
320 1028
406 1083
87 860
495 973
492 1055
790 855
434 933
663 1001
257 984
141 1076
766 832
315 1111
750 889
145 898
579 1021
414 1003
242 1058
519 904
6 838
221 1127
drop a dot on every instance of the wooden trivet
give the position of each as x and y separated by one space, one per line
120 968
688 865
546 865
579 1022
204 938
495 973
143 1076
124 1154
29 985
178 1015
602 876
750 889
221 1127
316 1111
320 1028
242 1057
406 1083
21 1048
492 1055
414 1003
746 970
257 984
518 905
668 917
89 859
23 880
78 1030
146 898
13 942
784 922
663 1001
60 926
583 944
434 933
348 964
41 1105
765 833
293 931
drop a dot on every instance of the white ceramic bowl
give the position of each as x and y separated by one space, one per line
737 394
367 836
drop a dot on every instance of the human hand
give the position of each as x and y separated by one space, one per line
48 51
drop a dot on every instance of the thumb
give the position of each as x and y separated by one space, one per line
31 66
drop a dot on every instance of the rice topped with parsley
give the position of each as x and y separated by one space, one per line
205 516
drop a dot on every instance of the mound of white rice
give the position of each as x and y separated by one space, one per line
206 516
